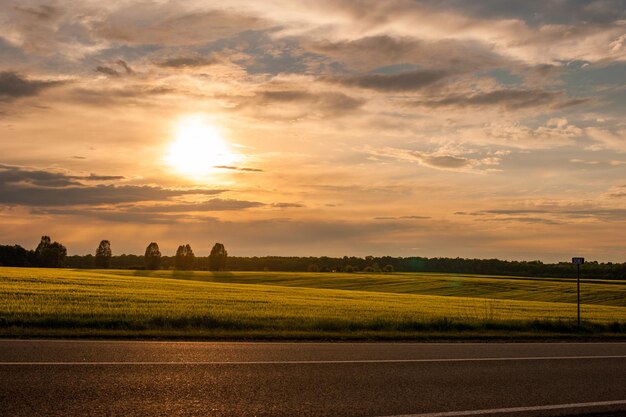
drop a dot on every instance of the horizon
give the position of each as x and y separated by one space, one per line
476 130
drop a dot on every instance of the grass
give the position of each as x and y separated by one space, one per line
271 305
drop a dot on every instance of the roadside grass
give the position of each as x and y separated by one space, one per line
166 304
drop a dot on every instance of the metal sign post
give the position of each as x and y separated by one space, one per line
578 262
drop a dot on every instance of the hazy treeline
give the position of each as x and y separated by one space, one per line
52 254
375 264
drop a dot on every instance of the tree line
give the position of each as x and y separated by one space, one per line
50 254
54 254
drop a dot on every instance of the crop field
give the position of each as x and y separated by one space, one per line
273 305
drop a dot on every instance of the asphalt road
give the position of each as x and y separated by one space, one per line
77 378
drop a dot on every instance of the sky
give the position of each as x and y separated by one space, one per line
476 129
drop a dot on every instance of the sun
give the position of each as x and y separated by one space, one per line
198 148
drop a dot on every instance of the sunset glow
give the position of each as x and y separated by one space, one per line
198 148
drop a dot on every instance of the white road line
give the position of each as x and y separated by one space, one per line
516 409
304 362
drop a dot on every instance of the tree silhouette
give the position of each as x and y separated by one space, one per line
103 254
16 256
50 254
152 257
217 258
184 258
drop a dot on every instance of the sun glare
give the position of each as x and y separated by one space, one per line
198 148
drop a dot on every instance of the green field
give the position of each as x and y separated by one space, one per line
273 305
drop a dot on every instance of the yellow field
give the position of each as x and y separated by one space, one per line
268 304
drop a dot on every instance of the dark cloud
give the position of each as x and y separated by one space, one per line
605 214
44 188
131 94
14 174
13 85
112 72
107 71
446 161
401 218
548 214
158 213
514 211
238 168
191 61
572 103
331 101
508 98
41 12
405 81
304 102
434 160
511 216
115 215
125 66
214 204
380 51
94 177
536 12
535 220
288 205
387 49
13 194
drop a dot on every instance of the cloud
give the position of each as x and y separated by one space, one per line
598 163
510 99
530 38
14 174
555 132
607 139
552 213
371 52
324 100
111 96
171 23
214 204
53 31
288 205
406 81
441 159
238 168
114 216
125 66
41 12
401 218
533 220
189 61
295 104
160 213
13 85
44 188
107 71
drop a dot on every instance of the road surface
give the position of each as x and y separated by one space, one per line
101 378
